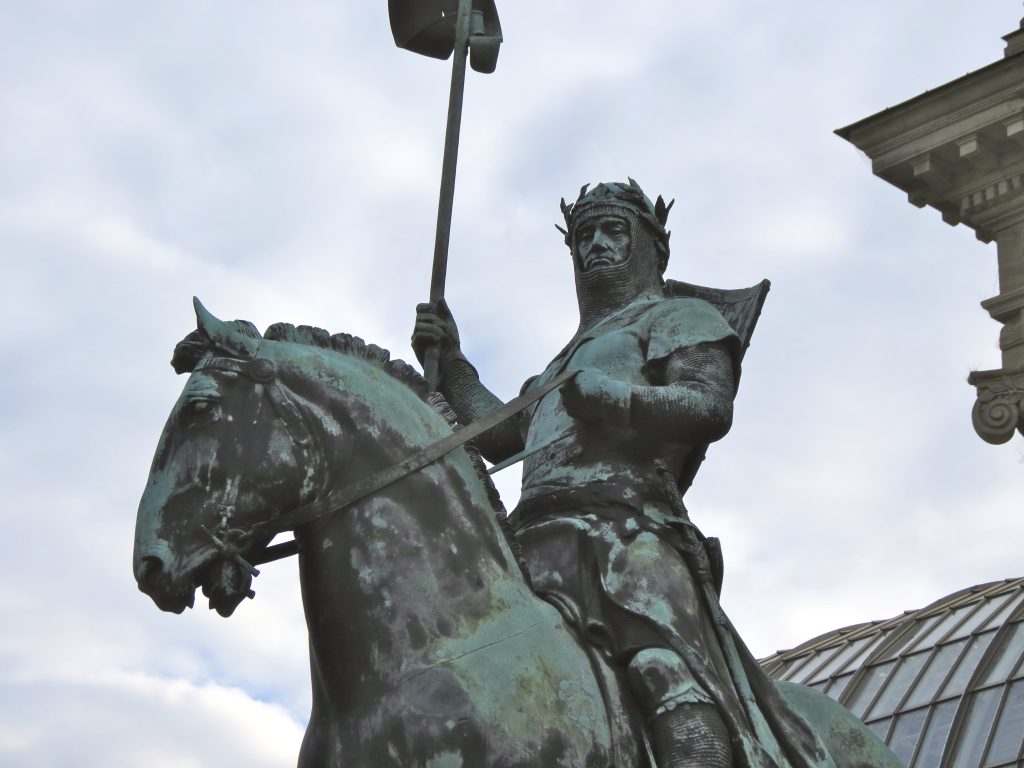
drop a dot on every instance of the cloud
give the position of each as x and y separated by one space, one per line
800 229
131 720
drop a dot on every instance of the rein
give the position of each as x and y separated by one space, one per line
263 373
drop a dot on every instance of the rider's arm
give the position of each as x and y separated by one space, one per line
690 399
695 400
460 383
471 400
691 369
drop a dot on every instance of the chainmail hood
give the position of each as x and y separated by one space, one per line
609 288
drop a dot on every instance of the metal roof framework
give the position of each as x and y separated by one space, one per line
943 686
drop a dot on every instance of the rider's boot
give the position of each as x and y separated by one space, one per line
690 736
683 724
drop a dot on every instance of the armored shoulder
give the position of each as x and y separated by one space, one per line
678 323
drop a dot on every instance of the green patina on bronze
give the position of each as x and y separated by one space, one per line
430 642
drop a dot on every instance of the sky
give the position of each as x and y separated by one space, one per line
281 161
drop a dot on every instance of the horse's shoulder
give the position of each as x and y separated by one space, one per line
851 743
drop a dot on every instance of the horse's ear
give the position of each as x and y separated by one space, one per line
223 335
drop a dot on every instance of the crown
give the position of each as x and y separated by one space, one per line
606 196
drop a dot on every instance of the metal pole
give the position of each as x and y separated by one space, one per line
451 157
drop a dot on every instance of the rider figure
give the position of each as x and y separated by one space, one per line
600 519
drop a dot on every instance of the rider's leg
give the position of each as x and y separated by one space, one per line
683 723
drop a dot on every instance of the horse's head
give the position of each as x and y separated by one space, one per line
239 447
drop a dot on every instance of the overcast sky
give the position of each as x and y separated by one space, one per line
281 161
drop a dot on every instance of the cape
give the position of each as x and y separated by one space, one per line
741 308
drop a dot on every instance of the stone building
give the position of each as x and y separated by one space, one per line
959 149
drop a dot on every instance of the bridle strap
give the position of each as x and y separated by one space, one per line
263 374
262 371
343 497
258 369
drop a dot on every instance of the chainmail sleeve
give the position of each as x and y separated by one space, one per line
471 400
694 403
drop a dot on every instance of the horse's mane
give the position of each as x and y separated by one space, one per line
193 347
190 350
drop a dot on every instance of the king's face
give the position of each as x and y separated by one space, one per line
602 242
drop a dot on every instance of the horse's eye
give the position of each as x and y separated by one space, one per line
199 410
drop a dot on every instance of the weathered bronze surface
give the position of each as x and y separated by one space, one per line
428 646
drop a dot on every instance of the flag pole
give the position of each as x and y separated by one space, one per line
442 234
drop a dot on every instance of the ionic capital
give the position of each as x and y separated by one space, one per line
999 410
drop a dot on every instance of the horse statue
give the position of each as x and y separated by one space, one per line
427 645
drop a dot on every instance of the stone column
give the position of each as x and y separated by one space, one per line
999 408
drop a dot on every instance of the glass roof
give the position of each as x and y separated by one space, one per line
942 686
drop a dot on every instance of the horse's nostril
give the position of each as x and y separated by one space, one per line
150 569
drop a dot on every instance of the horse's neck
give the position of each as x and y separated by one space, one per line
415 576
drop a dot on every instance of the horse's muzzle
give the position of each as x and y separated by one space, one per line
148 570
151 574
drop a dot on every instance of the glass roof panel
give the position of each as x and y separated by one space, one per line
934 741
967 664
868 687
786 668
935 673
943 627
981 616
1009 656
822 659
782 672
873 642
839 656
906 733
909 636
1009 733
981 709
838 685
881 728
794 667
1004 612
899 682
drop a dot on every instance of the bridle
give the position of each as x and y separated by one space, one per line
230 541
